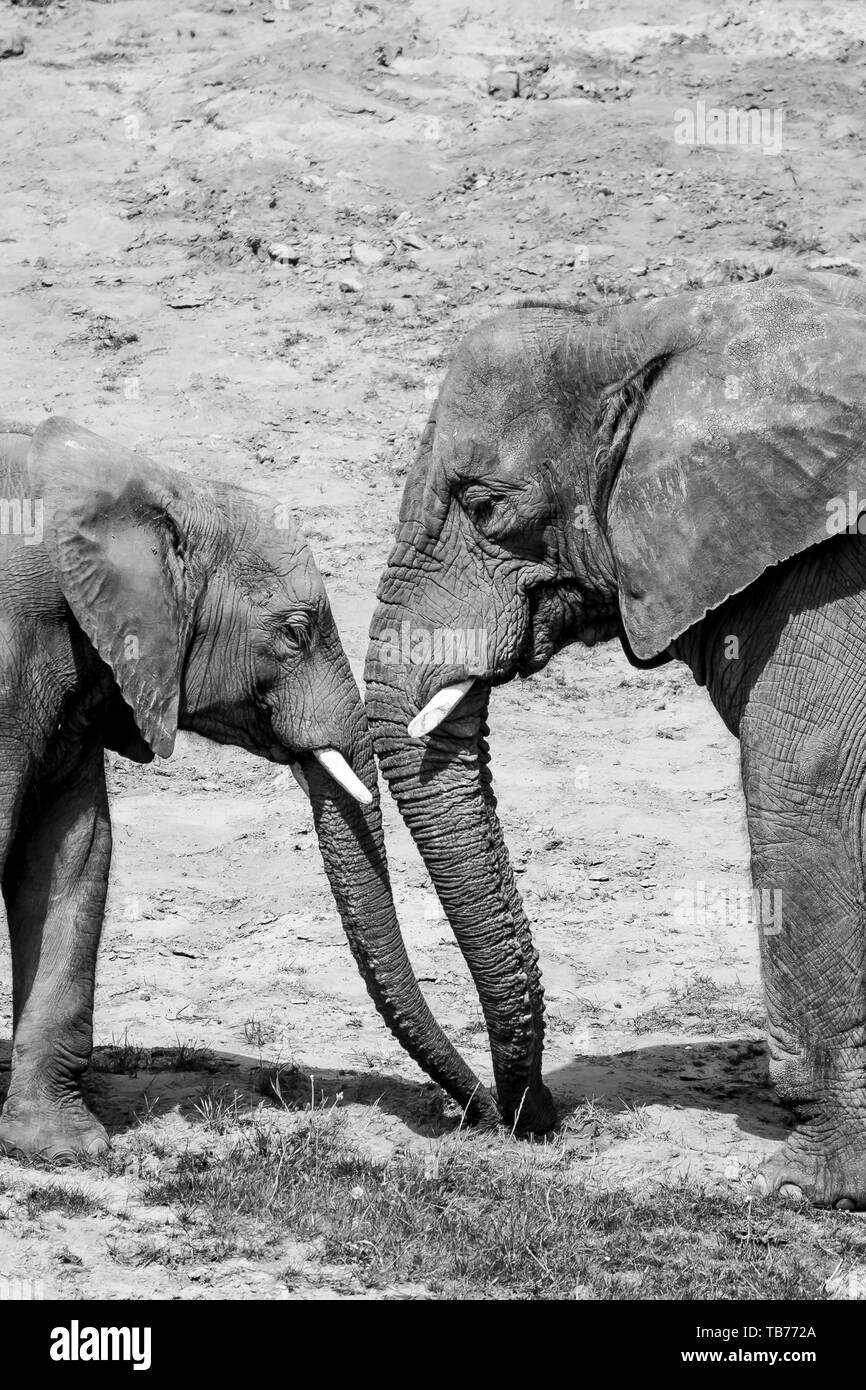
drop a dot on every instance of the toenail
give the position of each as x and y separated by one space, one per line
791 1192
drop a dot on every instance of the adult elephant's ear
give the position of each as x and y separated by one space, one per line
736 445
114 530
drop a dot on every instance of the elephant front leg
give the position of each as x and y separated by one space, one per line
54 885
805 804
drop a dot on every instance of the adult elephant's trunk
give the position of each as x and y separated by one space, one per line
444 792
353 850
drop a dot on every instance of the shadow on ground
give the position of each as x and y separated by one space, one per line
728 1077
126 1085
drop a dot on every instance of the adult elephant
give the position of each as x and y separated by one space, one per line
136 603
681 475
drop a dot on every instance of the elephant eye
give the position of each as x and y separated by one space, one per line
299 636
296 629
492 515
479 505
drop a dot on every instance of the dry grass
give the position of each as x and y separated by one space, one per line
471 1220
700 1005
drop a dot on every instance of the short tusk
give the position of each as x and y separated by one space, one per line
335 764
439 708
295 769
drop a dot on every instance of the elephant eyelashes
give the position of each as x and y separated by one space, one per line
482 508
296 630
483 511
301 638
499 518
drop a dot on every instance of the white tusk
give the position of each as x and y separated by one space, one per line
439 708
295 769
335 764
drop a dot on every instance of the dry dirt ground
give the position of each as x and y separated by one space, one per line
155 157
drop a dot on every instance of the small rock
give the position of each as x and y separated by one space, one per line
11 45
188 297
837 263
286 255
504 83
598 876
365 255
350 284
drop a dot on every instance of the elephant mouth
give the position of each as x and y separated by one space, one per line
559 615
443 699
553 617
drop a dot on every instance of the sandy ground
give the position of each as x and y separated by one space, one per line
151 154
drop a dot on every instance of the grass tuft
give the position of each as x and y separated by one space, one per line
516 1222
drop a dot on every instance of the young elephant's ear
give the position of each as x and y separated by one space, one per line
113 530
738 446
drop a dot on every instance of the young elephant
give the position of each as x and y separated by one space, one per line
135 603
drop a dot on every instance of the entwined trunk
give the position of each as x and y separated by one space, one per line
444 792
353 851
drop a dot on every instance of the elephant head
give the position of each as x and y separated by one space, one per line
584 477
205 604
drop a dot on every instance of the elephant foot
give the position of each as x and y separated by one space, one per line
533 1113
51 1133
823 1174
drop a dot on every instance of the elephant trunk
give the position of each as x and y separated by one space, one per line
353 850
444 792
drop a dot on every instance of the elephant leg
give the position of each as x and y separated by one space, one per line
54 884
803 740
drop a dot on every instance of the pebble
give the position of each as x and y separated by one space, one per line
11 46
365 255
350 284
504 83
286 255
835 263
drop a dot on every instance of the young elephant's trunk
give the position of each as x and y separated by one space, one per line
444 793
353 850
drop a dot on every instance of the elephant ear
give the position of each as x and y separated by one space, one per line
114 531
736 445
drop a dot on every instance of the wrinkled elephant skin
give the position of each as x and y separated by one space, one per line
683 475
137 603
